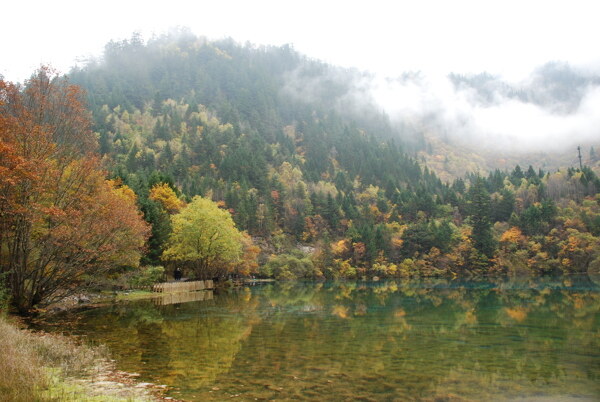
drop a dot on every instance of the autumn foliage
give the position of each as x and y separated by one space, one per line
165 195
61 223
205 241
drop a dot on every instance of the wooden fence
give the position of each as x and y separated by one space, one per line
179 287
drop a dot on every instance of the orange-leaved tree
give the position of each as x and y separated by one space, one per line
61 222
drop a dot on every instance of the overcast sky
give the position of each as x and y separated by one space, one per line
506 37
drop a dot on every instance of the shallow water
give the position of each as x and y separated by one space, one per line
529 339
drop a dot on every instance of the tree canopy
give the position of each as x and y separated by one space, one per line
61 223
205 239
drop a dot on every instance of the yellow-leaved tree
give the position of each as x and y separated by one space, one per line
165 195
204 239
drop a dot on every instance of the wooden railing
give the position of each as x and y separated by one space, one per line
178 287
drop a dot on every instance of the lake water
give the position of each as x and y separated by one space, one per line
527 339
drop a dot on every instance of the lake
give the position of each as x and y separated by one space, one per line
511 339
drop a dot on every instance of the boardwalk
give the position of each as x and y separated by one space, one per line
177 287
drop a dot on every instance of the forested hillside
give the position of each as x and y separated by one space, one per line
288 148
450 161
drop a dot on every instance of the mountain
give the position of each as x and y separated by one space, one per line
299 152
275 135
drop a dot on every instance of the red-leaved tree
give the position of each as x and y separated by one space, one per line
61 222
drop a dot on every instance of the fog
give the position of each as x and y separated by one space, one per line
551 110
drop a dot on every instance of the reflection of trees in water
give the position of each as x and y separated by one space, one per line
350 339
416 336
188 342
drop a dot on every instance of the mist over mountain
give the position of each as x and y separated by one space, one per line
479 121
255 80
553 110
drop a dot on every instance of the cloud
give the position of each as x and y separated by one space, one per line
553 109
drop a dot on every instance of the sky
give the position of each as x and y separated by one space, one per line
386 37
507 38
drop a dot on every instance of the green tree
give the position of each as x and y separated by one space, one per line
516 175
503 207
158 218
332 212
204 239
479 203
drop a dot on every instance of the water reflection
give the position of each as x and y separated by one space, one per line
184 297
384 341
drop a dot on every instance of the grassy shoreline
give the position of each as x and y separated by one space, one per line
37 366
40 366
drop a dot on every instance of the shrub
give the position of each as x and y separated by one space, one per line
290 266
146 277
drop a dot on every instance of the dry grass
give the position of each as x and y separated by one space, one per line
21 373
27 361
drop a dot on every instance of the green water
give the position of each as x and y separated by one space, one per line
530 339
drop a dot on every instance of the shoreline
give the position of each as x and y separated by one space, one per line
40 365
109 382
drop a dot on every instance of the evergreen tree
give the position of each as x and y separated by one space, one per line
332 212
504 207
516 176
132 158
479 208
